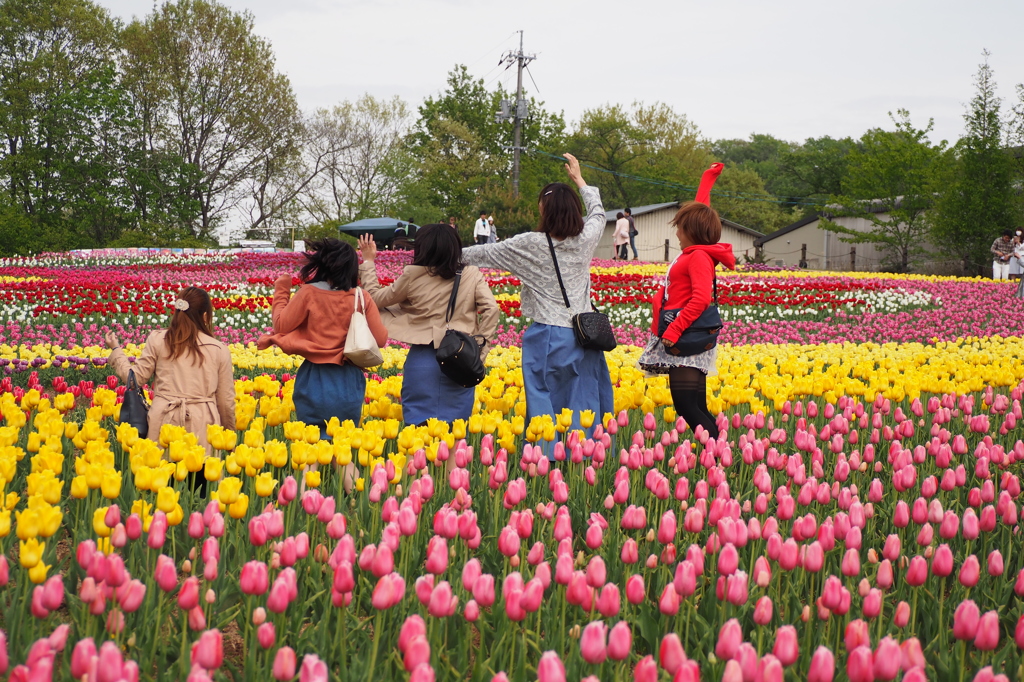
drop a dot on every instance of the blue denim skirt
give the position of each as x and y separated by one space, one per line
326 391
427 393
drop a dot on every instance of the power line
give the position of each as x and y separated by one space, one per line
674 185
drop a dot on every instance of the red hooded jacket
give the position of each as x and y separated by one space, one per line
690 285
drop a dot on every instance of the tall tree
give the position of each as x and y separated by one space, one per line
978 198
210 93
892 180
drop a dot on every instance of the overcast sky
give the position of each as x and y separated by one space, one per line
790 68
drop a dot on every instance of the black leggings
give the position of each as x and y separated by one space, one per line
688 386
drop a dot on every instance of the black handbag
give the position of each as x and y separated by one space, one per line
700 336
134 408
458 354
593 331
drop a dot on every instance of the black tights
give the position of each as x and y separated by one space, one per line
689 393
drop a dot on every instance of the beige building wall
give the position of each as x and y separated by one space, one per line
653 229
825 250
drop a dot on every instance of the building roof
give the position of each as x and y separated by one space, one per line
651 208
787 229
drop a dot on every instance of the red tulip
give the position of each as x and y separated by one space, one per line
284 664
823 666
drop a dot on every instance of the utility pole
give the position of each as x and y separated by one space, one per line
517 111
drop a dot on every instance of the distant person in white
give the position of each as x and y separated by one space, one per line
481 230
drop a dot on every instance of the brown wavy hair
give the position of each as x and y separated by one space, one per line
183 333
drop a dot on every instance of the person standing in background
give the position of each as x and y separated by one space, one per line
632 231
481 230
1018 251
620 237
1002 252
451 223
493 238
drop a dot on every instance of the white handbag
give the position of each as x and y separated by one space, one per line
361 348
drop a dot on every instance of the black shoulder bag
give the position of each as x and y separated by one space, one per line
593 330
458 355
700 336
134 408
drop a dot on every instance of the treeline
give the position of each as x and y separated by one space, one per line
177 128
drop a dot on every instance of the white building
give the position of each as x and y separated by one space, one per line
654 232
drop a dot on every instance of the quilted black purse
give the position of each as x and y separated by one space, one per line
458 354
700 336
593 331
134 408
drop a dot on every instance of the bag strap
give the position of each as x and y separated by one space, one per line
558 272
360 303
451 301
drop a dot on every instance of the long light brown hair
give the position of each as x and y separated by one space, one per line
183 334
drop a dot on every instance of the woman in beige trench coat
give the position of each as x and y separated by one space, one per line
194 383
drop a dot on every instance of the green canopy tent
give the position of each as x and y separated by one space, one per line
383 230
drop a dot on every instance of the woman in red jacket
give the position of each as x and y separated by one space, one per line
689 283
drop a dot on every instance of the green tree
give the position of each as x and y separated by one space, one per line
978 199
892 180
209 93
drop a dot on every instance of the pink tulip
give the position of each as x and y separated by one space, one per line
965 620
277 600
970 571
685 582
769 669
942 561
313 669
620 641
550 668
917 571
188 596
166 574
440 600
284 664
208 651
671 654
911 654
636 592
416 652
728 560
902 615
646 670
995 563
593 642
987 637
730 636
860 665
786 647
609 601
886 663
669 602
823 666
763 610
423 673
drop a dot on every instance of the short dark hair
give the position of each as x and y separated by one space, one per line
628 211
620 215
333 261
438 249
483 212
699 222
561 211
1007 233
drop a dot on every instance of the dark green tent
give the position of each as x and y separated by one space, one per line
382 229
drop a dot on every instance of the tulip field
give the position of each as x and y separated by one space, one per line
858 519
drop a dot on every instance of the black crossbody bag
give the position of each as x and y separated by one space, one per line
134 408
700 336
458 354
593 331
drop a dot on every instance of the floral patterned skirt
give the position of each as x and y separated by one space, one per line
656 360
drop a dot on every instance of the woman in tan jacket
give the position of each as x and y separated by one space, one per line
413 309
194 384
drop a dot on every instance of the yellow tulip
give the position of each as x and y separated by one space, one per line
312 479
213 469
194 458
27 524
37 574
30 552
586 418
237 509
228 490
175 516
265 484
50 519
5 523
11 501
111 484
167 499
99 525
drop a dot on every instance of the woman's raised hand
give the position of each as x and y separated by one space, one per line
112 340
572 167
367 247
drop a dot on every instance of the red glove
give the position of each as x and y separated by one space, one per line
707 181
